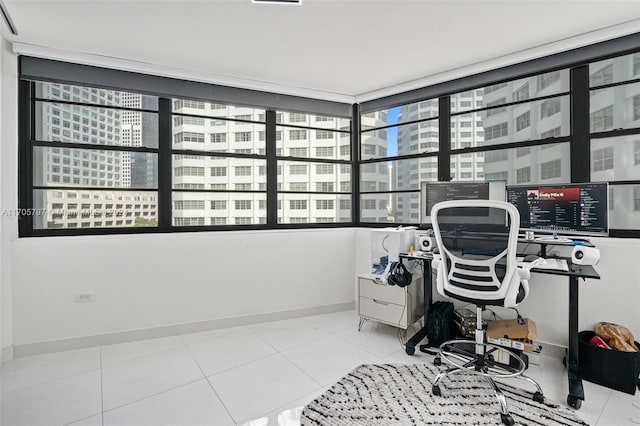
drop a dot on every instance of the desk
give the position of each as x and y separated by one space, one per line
576 390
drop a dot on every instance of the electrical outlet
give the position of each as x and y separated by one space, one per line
84 297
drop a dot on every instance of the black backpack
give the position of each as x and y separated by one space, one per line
439 323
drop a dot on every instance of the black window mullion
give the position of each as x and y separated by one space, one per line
301 127
444 146
272 168
165 172
25 152
355 164
404 123
580 150
96 106
92 146
309 160
510 104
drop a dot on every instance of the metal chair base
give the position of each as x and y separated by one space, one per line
480 360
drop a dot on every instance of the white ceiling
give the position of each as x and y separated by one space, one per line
338 48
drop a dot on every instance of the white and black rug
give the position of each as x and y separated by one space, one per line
388 394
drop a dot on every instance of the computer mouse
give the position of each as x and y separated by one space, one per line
530 258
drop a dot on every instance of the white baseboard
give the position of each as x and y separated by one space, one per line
7 354
170 330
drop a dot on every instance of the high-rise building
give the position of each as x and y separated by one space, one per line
538 119
376 176
61 167
139 129
200 126
617 158
423 137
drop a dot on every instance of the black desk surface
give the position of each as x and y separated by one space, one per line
578 271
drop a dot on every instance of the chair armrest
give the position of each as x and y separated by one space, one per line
529 262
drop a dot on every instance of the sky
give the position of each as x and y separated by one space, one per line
392 132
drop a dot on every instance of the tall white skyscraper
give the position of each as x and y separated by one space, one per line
311 138
74 168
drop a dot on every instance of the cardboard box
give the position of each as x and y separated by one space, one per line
510 334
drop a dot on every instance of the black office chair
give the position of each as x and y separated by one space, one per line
490 277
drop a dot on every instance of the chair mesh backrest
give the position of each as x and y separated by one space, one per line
477 265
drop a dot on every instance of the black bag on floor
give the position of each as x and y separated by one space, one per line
608 367
439 323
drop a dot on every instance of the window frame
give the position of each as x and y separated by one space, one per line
167 118
579 138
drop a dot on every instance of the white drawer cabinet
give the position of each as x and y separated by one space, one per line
390 304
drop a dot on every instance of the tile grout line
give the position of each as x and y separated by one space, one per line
362 348
603 408
152 395
142 356
281 353
88 370
209 382
236 366
277 352
49 381
101 390
157 393
286 404
300 368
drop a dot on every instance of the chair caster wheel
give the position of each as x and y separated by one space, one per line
574 402
538 397
410 350
435 389
507 419
437 361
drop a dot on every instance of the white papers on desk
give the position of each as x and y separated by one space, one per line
553 264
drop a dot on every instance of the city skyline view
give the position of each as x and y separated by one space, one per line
118 188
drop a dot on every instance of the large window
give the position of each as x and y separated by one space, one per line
94 158
614 107
314 169
531 118
389 187
532 111
232 181
100 160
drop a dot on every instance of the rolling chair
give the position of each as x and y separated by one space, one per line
492 278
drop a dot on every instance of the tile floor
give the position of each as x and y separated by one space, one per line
259 375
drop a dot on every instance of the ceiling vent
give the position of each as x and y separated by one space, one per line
278 1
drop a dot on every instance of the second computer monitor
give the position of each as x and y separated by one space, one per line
432 193
567 209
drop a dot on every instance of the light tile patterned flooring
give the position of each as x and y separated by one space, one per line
258 375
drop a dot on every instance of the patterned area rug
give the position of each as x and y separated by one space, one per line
388 394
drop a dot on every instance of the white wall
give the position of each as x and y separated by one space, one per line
146 281
8 184
614 298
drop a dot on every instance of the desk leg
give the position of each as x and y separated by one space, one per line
410 346
576 391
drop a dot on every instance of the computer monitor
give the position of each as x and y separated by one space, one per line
580 209
432 193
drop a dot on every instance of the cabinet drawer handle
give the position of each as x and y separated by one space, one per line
379 302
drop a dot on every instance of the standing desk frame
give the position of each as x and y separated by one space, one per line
576 390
